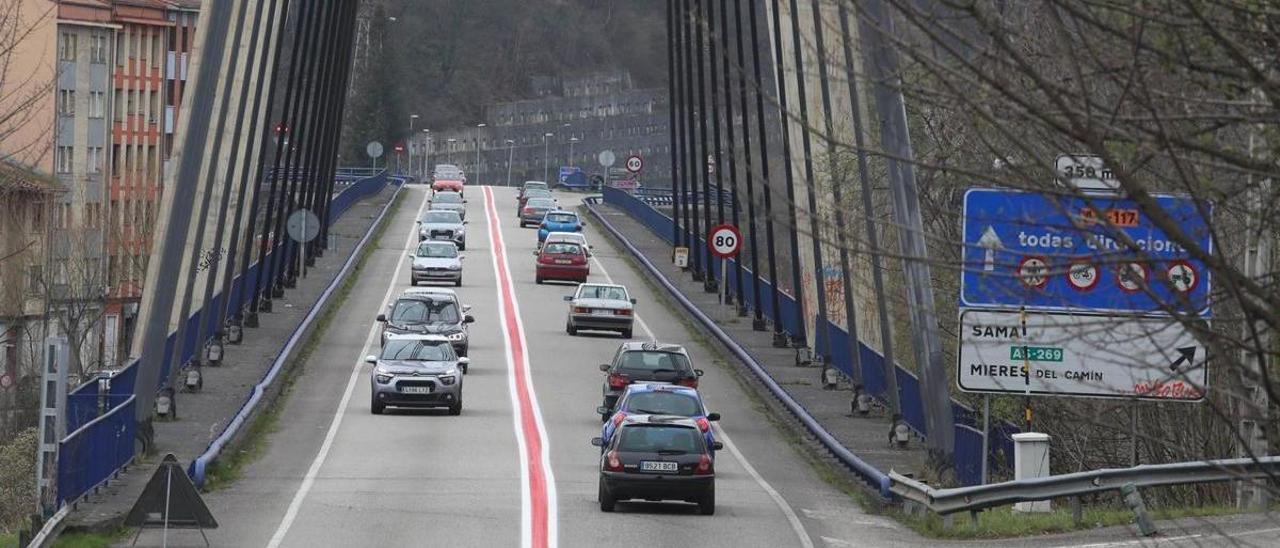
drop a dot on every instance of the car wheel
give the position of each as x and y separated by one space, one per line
376 406
413 282
455 409
607 501
707 504
570 329
462 246
537 280
626 333
458 282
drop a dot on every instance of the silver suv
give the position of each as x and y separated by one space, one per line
443 225
416 371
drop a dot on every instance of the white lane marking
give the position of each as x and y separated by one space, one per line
527 536
307 481
792 518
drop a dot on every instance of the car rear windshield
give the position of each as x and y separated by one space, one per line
537 193
653 360
663 403
562 247
447 198
442 217
562 217
408 349
602 292
537 186
437 250
654 438
424 311
544 203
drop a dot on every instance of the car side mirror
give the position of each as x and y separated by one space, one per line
381 318
464 221
697 372
717 445
568 298
633 300
461 257
469 319
604 367
597 441
371 359
464 361
713 416
602 410
535 252
466 308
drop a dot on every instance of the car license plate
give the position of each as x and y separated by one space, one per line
602 312
658 466
416 389
563 261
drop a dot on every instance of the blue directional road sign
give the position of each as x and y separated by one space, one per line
1049 252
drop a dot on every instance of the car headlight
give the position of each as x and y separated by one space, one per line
460 231
457 336
382 378
455 267
448 380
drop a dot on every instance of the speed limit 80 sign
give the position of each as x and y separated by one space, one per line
724 241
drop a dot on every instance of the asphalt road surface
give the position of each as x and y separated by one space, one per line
516 468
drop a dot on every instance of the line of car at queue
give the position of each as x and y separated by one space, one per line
656 441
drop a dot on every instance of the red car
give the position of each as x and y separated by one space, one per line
562 261
447 184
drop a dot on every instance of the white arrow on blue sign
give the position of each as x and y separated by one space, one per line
1005 228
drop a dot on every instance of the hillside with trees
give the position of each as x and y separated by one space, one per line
445 59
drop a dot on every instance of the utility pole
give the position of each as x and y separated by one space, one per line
882 70
479 128
1254 409
545 160
412 118
511 151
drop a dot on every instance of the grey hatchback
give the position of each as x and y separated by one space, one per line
416 371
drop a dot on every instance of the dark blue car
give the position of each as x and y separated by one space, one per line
559 221
659 399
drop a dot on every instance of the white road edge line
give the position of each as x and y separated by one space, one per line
308 480
792 518
1166 540
553 506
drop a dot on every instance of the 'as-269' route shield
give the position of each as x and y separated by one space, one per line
1077 354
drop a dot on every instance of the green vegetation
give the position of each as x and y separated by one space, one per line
226 470
1004 522
90 540
8 540
17 480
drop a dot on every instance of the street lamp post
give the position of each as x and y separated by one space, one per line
451 142
476 140
511 151
426 156
412 119
545 162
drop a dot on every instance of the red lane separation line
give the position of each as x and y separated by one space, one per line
528 418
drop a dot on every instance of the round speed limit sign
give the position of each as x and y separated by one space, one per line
724 241
635 163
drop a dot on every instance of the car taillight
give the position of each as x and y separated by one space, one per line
704 466
618 381
624 312
546 259
612 464
580 310
528 211
579 259
691 382
617 418
703 424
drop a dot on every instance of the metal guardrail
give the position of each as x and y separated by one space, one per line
870 474
960 499
198 466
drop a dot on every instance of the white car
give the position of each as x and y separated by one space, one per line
571 237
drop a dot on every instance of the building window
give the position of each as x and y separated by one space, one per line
65 158
67 102
98 48
67 47
97 104
35 278
94 157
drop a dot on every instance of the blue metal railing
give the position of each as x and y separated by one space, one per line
101 422
968 452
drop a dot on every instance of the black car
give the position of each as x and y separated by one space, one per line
428 312
650 362
657 457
